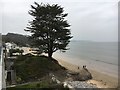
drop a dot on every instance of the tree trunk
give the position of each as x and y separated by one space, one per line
50 51
50 55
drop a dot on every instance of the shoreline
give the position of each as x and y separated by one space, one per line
100 79
108 69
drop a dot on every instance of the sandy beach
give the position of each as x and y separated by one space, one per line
99 79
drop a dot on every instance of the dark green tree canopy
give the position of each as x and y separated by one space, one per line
49 28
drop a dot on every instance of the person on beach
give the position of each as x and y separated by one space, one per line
84 67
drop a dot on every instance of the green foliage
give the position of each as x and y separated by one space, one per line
43 84
20 40
15 51
49 28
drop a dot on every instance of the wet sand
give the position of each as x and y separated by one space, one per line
99 79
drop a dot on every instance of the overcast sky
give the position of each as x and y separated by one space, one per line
95 20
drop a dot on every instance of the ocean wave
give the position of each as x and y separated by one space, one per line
106 62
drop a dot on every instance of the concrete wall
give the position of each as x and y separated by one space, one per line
2 72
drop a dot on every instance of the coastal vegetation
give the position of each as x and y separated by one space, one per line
49 29
20 40
37 72
32 68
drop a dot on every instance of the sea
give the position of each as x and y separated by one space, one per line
98 56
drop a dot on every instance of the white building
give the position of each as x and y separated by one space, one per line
11 46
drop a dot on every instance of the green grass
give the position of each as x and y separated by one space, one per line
39 86
35 85
31 68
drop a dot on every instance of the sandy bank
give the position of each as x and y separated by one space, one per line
100 79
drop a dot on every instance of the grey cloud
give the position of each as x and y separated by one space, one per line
95 21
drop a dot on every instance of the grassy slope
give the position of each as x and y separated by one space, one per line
31 68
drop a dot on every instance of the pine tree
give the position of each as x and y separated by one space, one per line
49 28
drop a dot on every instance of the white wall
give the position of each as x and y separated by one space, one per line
2 72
